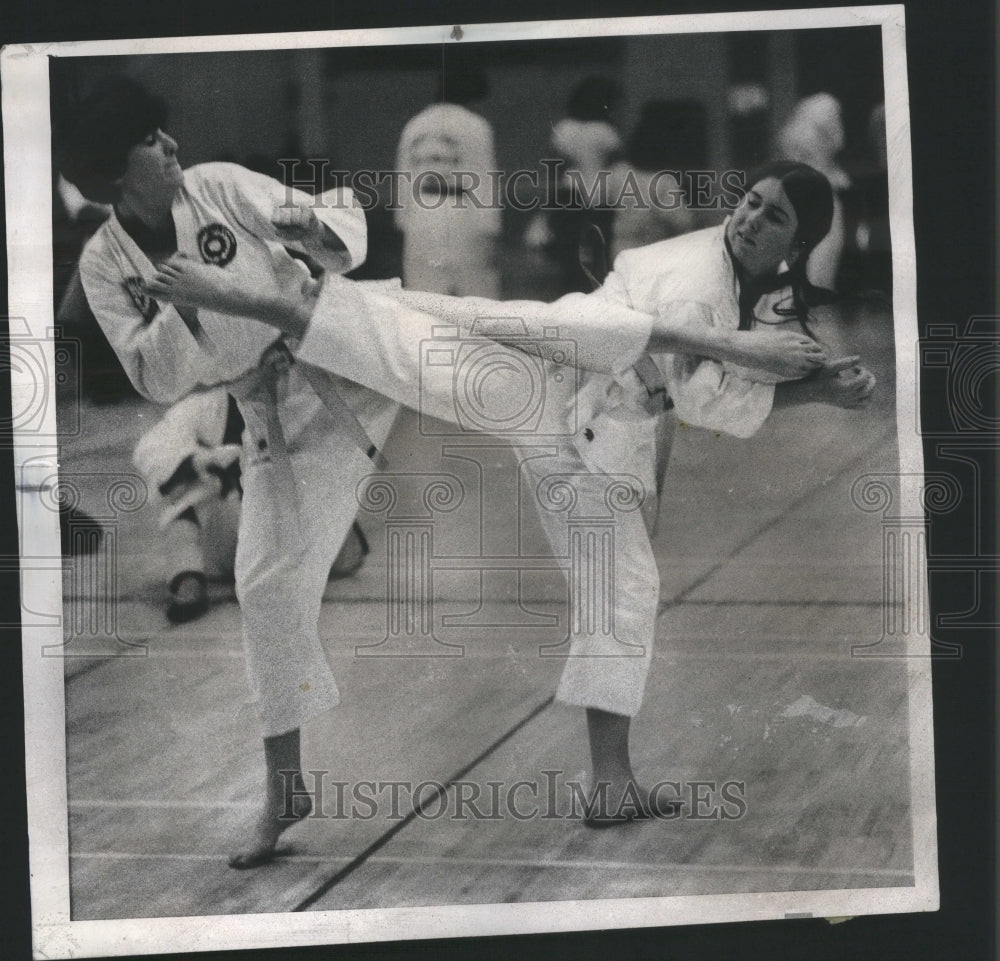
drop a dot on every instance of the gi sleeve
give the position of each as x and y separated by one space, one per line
709 393
154 344
251 198
599 332
712 395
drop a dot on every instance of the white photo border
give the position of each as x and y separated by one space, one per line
28 197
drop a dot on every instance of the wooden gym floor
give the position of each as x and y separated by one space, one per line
770 574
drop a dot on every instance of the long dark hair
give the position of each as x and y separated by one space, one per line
810 194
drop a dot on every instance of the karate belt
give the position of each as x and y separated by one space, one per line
658 402
261 385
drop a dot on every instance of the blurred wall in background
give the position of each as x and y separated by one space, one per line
350 104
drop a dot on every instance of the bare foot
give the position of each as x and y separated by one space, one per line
618 802
278 815
781 352
687 329
283 299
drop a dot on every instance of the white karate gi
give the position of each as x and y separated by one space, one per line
290 533
374 331
450 235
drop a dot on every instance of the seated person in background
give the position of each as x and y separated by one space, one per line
190 461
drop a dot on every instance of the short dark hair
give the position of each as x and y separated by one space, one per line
93 151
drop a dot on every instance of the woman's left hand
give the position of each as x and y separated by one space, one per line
845 383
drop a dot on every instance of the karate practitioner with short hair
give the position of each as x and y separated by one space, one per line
309 434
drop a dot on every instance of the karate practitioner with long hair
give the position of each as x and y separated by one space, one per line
717 321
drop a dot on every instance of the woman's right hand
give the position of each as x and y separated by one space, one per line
783 352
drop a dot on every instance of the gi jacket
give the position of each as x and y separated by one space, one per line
222 215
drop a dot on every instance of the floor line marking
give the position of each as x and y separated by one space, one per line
787 510
379 843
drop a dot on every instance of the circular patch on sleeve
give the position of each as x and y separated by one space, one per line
217 244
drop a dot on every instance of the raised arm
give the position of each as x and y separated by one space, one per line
329 227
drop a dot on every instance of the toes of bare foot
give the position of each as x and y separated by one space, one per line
259 857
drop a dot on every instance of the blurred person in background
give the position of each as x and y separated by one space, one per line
450 223
867 263
588 144
650 204
814 134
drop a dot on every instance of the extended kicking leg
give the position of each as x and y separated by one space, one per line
287 301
